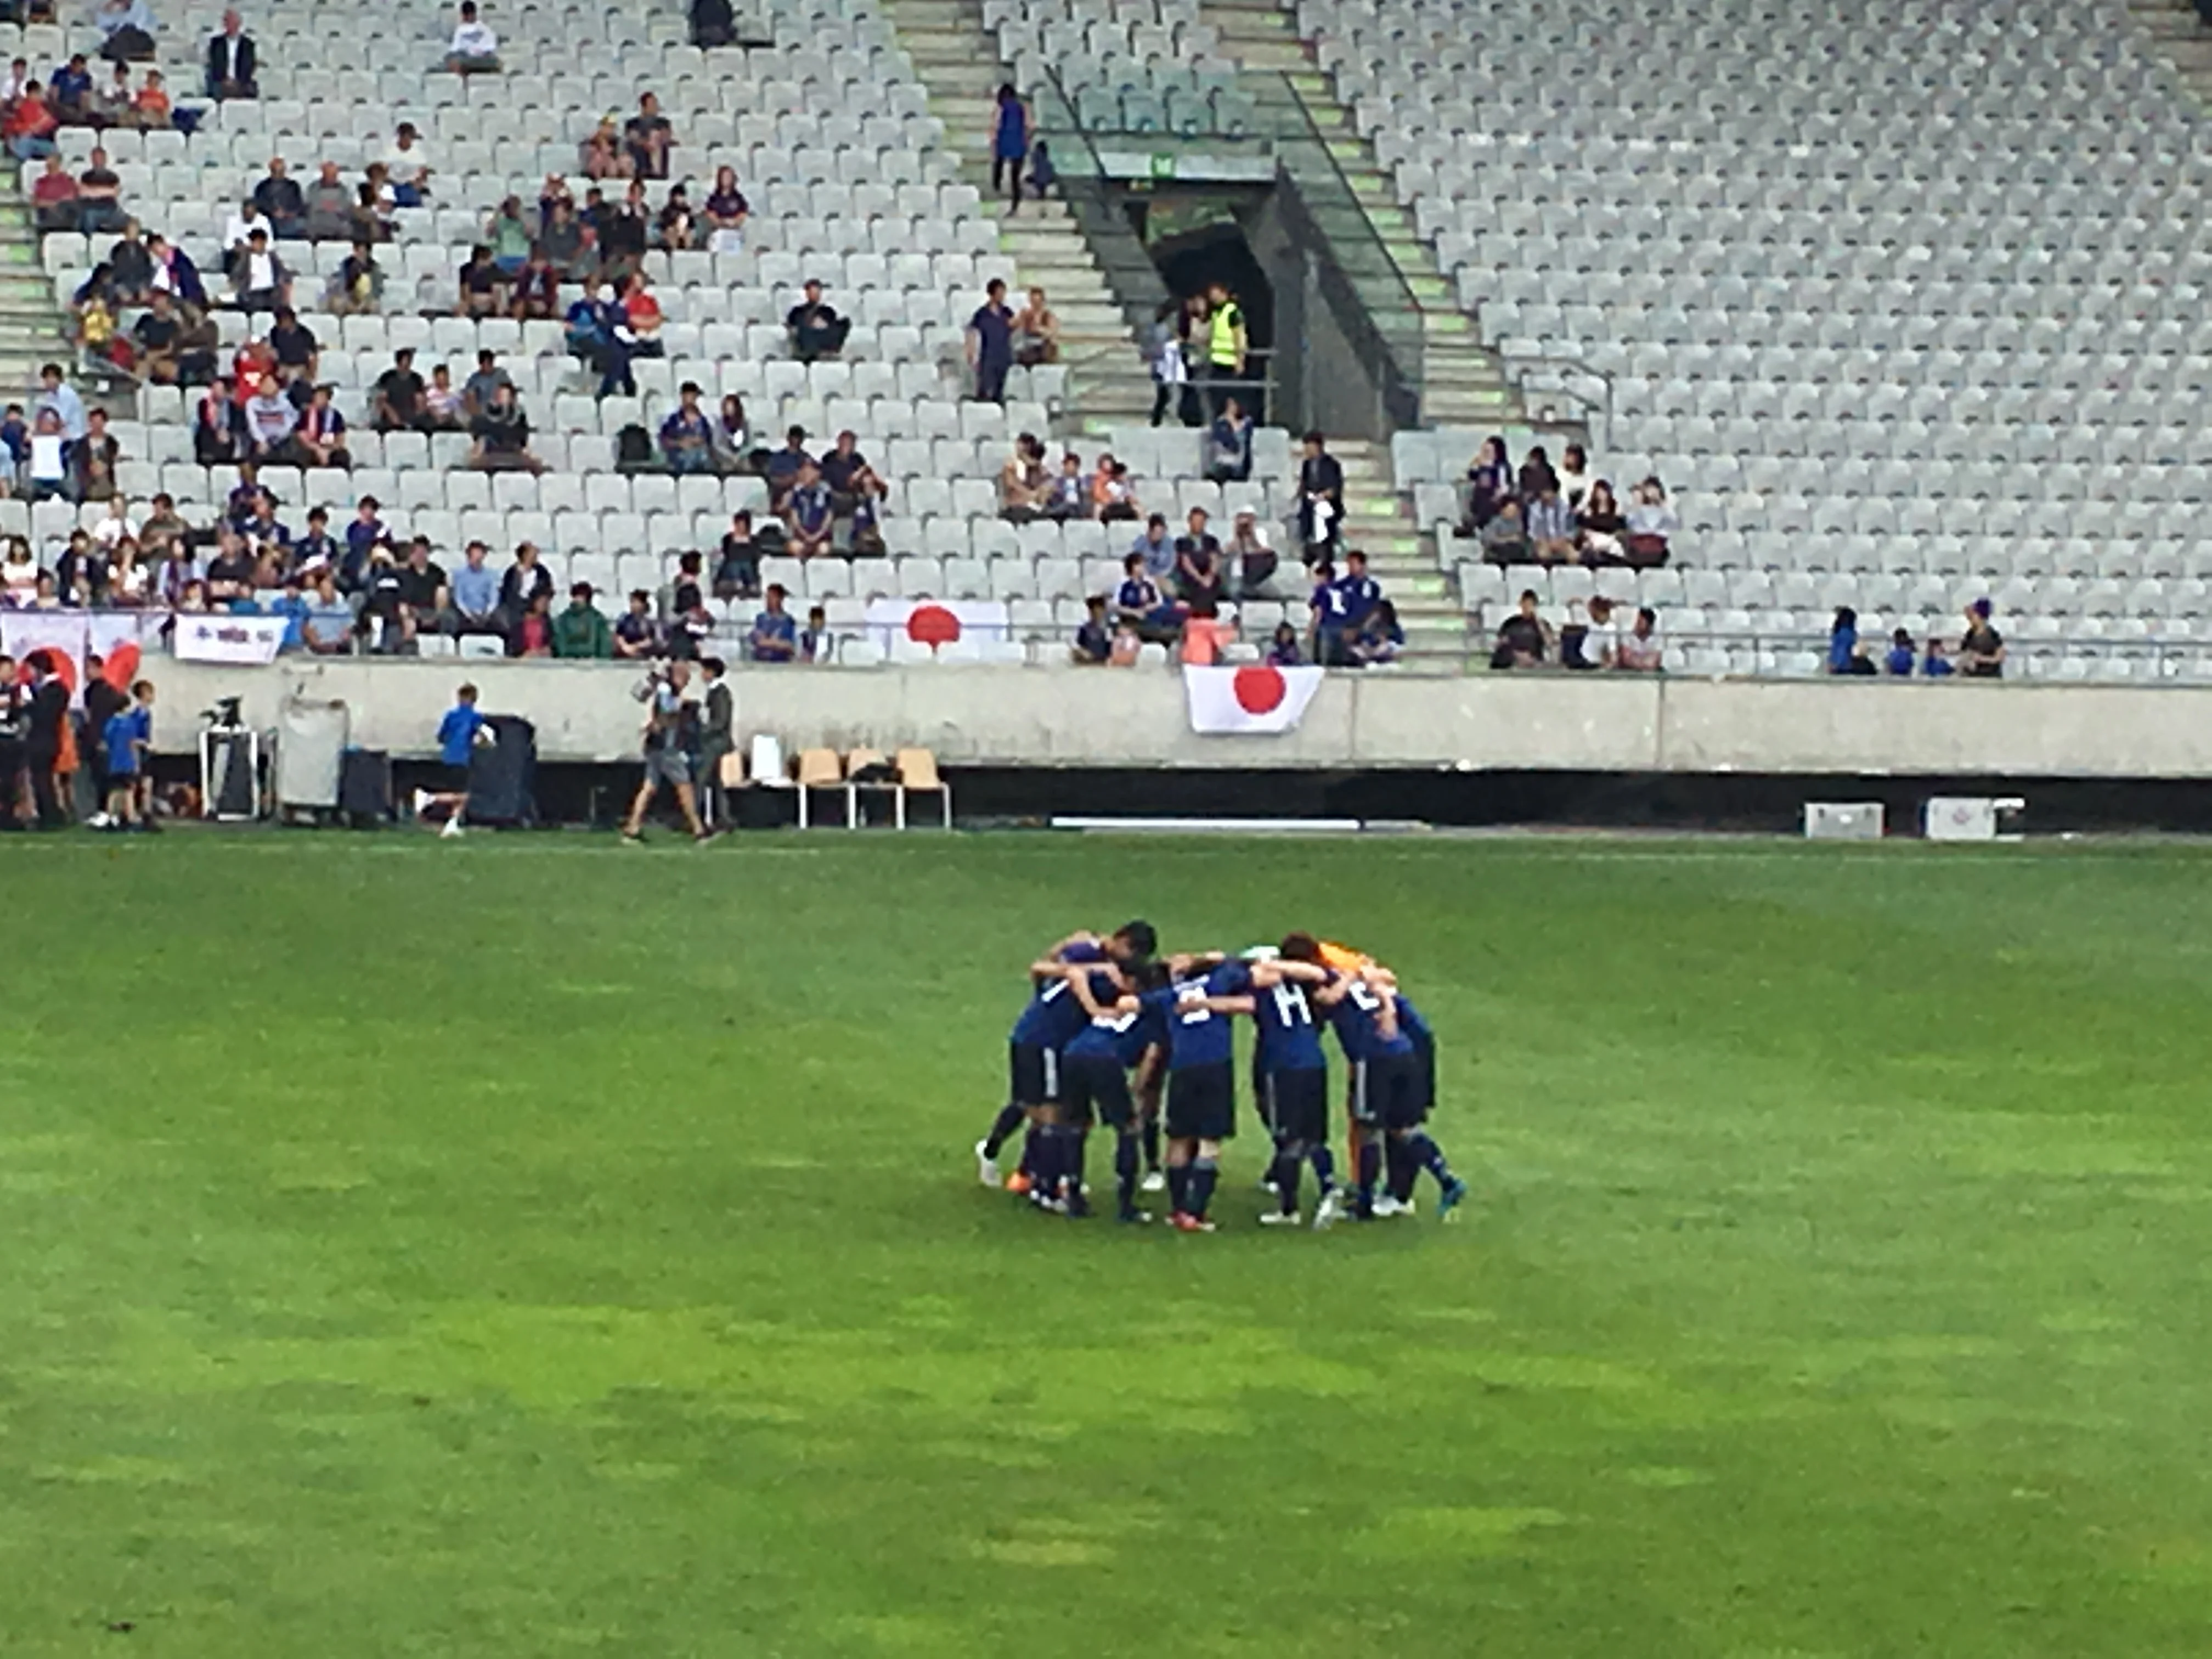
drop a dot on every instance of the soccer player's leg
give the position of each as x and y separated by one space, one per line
1201 1115
1300 1106
1068 1131
1025 1096
1418 1149
1367 1128
1151 1076
1117 1110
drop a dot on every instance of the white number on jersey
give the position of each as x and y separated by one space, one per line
1363 998
1115 1022
1190 1003
1290 1006
1055 988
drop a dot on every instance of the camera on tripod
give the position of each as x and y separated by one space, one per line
227 715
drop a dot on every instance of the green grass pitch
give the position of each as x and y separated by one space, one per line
528 1247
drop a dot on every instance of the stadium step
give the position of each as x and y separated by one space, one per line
1379 521
33 329
956 59
2175 31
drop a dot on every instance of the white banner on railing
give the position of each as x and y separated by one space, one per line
22 632
213 637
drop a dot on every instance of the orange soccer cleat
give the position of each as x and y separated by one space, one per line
1019 1182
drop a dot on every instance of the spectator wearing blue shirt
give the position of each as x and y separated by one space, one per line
1378 638
1842 640
814 644
1139 606
991 342
808 514
1902 659
685 434
784 466
1331 620
361 536
1156 547
458 733
291 606
1935 665
775 637
127 736
1362 592
1094 640
1283 650
474 592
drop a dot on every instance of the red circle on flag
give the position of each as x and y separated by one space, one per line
57 662
932 625
1259 689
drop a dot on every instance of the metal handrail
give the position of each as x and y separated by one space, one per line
1518 365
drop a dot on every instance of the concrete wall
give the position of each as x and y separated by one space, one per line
1013 716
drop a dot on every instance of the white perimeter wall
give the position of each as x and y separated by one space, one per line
1014 716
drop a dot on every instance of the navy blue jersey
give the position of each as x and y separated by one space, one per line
1055 1015
1289 1041
1415 1028
1124 1037
1196 1034
1358 1026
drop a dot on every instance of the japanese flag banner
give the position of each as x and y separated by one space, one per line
1255 697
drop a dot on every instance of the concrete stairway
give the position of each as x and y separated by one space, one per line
2180 36
1464 382
1379 520
957 61
33 329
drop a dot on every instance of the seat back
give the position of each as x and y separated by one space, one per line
917 769
767 758
818 769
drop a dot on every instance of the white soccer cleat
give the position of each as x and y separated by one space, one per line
1387 1206
1329 1211
1155 1180
1280 1218
987 1167
451 831
422 802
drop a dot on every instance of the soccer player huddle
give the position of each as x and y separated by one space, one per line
1121 1040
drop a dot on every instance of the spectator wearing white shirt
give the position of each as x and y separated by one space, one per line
117 526
261 281
49 470
475 48
1638 651
407 167
60 399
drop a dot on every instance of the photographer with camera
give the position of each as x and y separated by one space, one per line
672 739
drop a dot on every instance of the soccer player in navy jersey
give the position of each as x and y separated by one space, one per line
1401 1164
1290 996
1194 1008
1094 1083
1388 1097
1047 1026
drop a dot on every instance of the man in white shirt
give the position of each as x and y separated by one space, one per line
1638 651
407 165
270 421
475 49
264 284
61 397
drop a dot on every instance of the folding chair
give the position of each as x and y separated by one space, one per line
819 773
917 772
866 769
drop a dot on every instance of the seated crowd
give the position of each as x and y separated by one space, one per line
1542 514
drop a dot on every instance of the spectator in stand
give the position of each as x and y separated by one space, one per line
425 597
1162 354
817 331
1156 549
814 644
1113 497
783 467
1328 620
1524 639
126 28
99 197
1140 608
321 434
373 208
1321 500
474 49
597 331
637 632
1229 443
16 81
568 244
297 353
93 460
1638 651
441 409
1283 650
1010 150
262 281
687 436
30 125
535 296
601 154
1981 648
1378 639
218 436
1362 592
643 313
1199 574
69 92
625 233
151 111
1067 497
775 637
19 571
648 137
1590 644
1551 527
1505 538
396 400
479 285
809 515
1935 665
407 168
277 198
533 634
581 630
991 343
231 62
1599 522
524 582
1037 331
131 265
57 396
731 438
1902 659
1204 633
1094 638
682 592
508 235
737 572
1251 562
1651 522
675 228
356 287
1024 485
726 211
482 385
502 437
327 206
53 198
1535 473
318 550
1574 476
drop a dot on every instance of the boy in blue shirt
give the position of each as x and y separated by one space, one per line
458 734
128 735
775 637
1899 661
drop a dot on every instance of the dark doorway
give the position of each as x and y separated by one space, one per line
1191 261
